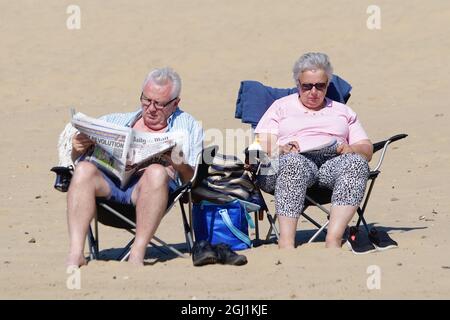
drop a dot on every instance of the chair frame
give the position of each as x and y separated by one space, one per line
182 195
323 196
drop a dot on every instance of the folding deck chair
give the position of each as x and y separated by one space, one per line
121 216
253 100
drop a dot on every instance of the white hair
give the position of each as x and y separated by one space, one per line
312 61
163 76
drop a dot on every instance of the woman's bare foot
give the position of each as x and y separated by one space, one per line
286 244
334 243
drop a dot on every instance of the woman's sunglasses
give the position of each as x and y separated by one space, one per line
321 86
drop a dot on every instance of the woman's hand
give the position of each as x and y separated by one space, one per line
291 147
344 148
363 147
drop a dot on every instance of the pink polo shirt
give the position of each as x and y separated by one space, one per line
290 120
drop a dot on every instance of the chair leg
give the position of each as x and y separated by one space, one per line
187 229
272 227
256 242
321 229
93 245
362 209
133 225
96 234
127 249
169 247
314 222
125 252
361 219
190 214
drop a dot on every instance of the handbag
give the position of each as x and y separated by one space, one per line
222 223
225 181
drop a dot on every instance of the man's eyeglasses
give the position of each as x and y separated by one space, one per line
146 102
321 86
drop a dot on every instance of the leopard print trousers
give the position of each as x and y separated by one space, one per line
346 175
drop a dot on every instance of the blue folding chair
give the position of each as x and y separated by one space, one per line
254 98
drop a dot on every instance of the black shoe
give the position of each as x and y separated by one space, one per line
227 256
203 254
381 240
359 242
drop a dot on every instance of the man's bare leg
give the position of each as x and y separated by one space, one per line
339 219
151 196
87 183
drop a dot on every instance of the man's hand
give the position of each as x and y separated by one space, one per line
292 146
80 144
175 158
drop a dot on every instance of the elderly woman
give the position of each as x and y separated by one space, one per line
296 125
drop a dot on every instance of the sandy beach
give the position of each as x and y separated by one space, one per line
399 75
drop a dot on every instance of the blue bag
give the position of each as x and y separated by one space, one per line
222 223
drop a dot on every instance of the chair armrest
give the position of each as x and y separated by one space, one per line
204 160
382 145
63 177
181 189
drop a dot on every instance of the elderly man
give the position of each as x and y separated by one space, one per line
149 191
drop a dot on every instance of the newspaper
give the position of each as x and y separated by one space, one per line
121 151
320 148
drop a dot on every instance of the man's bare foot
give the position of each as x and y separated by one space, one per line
136 262
136 259
76 260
